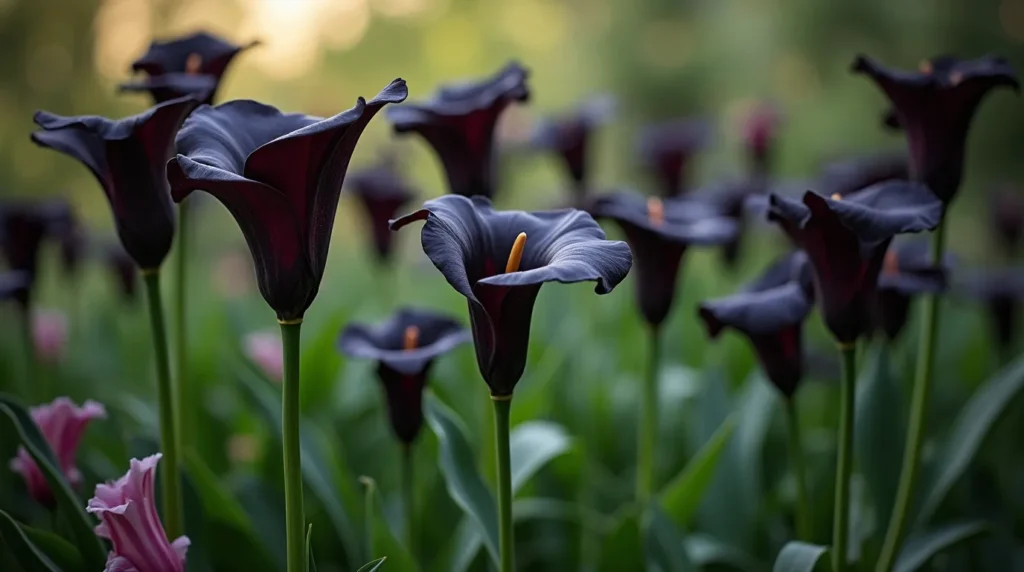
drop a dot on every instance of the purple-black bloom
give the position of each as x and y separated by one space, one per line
382 192
666 149
770 312
128 157
499 260
851 174
280 175
458 122
934 106
846 239
658 233
190 65
404 347
569 136
23 226
906 272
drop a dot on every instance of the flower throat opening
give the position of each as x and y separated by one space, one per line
193 63
655 211
411 338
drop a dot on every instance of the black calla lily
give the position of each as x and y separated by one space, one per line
658 233
906 272
382 192
190 65
459 121
851 174
570 137
499 260
280 175
667 149
23 226
846 239
404 347
13 285
127 157
1006 211
770 312
1001 291
935 106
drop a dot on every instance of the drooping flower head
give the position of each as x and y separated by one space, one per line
129 520
280 176
658 233
62 424
759 133
49 335
128 157
569 136
264 349
458 122
190 65
499 260
404 347
846 239
382 192
666 149
770 312
907 271
1001 291
935 105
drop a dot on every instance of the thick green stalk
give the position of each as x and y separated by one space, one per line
407 499
295 521
187 426
170 477
502 407
844 464
648 430
918 411
803 514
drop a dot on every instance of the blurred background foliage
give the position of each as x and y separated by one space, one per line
661 59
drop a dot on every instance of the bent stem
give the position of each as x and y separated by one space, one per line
648 429
844 464
187 426
803 515
407 499
293 511
502 407
170 478
918 411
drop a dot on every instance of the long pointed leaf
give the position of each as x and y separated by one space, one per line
799 557
59 551
373 566
922 547
94 556
681 497
25 553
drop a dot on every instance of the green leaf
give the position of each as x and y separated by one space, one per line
799 557
458 467
664 544
310 565
922 547
681 497
30 558
59 551
381 538
880 425
532 445
968 432
373 566
94 556
621 548
706 550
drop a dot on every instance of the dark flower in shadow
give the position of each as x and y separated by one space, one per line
13 285
280 176
122 270
934 106
846 239
499 260
906 272
570 137
128 157
759 131
23 226
1006 211
404 347
382 192
771 313
731 199
190 65
458 122
1001 291
667 149
659 233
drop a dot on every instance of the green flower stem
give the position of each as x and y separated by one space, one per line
918 411
187 425
170 477
803 514
844 464
295 521
408 499
502 407
648 429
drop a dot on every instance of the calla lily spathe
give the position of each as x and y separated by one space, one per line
667 148
906 272
280 175
383 192
570 137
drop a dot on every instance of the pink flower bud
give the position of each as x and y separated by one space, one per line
49 335
264 349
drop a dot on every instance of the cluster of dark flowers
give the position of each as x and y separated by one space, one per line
281 174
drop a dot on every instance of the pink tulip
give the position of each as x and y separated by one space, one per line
264 349
49 335
62 424
128 519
